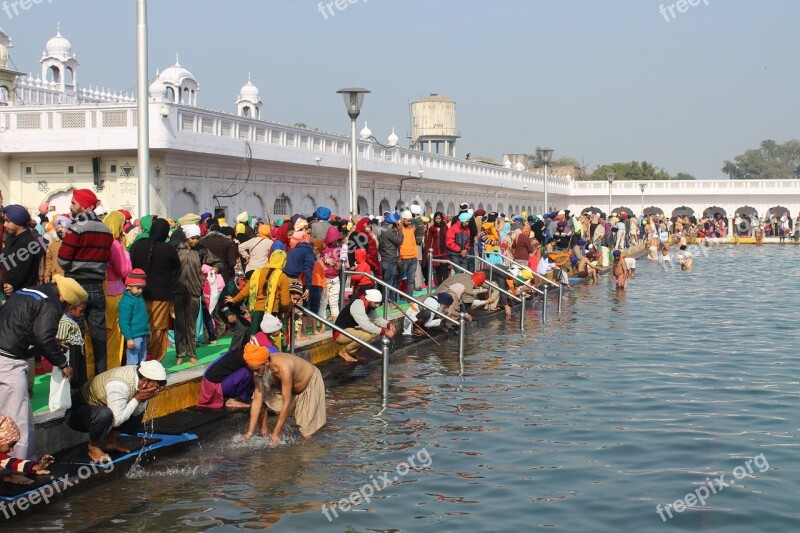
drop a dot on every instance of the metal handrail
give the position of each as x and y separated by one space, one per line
384 352
466 271
333 326
521 300
494 267
510 261
404 295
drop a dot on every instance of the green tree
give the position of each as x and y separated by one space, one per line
769 161
633 171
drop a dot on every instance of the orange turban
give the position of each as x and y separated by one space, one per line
255 355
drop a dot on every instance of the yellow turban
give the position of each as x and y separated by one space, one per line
70 290
255 355
9 431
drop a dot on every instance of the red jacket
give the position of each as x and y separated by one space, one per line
457 238
433 241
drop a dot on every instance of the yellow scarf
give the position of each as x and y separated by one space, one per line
277 260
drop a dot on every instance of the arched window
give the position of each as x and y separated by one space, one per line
55 74
171 95
3 95
70 75
246 111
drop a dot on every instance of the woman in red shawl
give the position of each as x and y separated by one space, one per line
361 237
435 240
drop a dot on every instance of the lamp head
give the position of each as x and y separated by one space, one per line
610 177
546 154
642 186
353 98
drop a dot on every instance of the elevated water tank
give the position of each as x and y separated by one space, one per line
433 125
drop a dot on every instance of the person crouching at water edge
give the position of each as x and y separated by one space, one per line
114 402
227 381
9 436
620 270
287 385
360 320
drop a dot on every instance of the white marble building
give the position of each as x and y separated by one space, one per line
54 132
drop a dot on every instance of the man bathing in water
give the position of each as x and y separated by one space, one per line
287 385
620 270
685 259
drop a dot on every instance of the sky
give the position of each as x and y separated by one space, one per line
599 80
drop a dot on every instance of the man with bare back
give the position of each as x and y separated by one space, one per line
287 385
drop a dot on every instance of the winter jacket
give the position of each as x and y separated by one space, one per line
300 260
29 322
389 245
225 249
21 259
159 261
119 266
133 320
51 266
458 238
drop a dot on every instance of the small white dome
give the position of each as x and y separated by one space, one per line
157 89
176 74
249 92
59 47
393 138
519 166
366 133
507 164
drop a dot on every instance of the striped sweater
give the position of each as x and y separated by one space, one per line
86 249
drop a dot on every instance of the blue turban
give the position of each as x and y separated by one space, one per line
573 260
581 243
392 218
64 221
445 298
464 217
323 213
18 215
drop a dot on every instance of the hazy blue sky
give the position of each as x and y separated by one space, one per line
601 80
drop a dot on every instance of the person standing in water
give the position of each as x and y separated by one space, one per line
620 270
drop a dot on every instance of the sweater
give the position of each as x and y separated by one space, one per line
389 245
159 260
300 260
86 249
21 258
133 320
119 266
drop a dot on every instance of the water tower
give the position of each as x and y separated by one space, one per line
433 125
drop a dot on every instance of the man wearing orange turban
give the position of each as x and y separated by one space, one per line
287 385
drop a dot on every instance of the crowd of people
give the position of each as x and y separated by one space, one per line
101 296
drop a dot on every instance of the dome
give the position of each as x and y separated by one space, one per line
519 166
176 74
393 138
506 164
366 133
249 92
157 89
58 47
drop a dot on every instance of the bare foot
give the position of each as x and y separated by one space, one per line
233 403
347 357
17 479
115 447
97 455
193 360
179 361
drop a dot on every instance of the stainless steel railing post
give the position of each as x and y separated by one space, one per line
430 269
560 292
291 331
522 313
544 305
385 378
462 325
385 302
342 286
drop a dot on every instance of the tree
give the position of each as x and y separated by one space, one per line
769 161
633 171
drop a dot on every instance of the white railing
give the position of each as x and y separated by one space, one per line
599 188
30 118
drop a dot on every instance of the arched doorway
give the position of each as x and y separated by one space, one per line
363 206
384 207
778 211
591 209
713 211
746 212
60 201
451 210
440 207
623 209
308 205
682 211
254 205
183 202
652 210
428 209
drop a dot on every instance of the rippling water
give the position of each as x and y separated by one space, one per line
623 402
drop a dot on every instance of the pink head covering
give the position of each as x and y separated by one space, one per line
9 431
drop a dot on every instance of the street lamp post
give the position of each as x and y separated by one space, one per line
610 177
353 98
642 187
546 154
